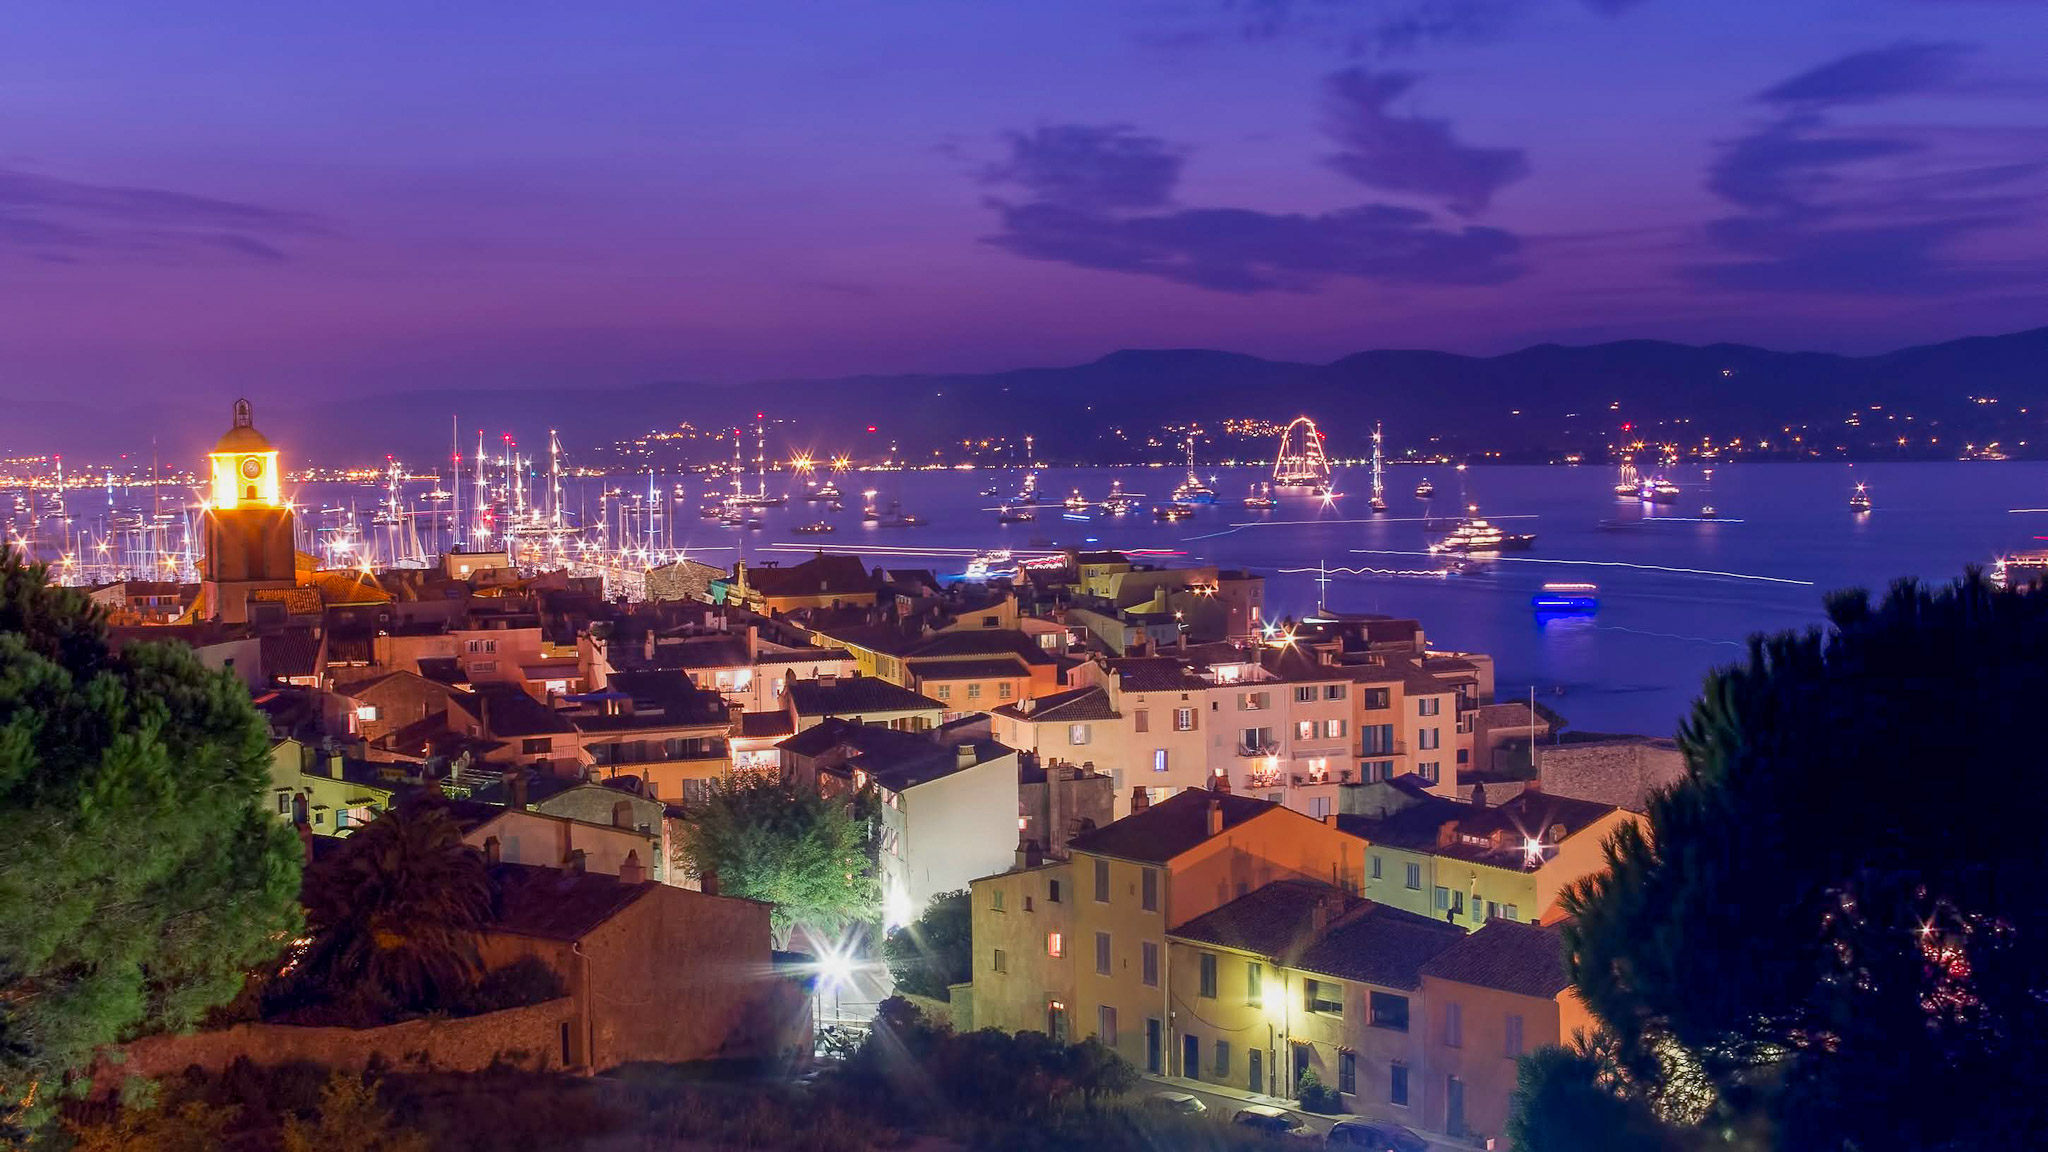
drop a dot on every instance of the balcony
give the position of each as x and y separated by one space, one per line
1382 749
631 756
1263 750
1266 778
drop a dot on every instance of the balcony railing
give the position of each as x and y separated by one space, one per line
1382 748
1249 751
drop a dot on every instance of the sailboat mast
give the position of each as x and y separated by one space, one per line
760 456
737 468
483 492
555 479
1378 487
454 482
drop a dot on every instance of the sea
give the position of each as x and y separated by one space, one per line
1679 593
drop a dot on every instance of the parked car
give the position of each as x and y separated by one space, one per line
1272 1121
1179 1103
1376 1136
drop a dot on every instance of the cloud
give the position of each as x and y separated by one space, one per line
1089 167
1875 74
1410 153
46 217
1379 28
1821 209
1101 198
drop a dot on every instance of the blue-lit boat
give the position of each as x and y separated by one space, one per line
1567 598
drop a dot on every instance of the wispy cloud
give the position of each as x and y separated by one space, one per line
47 218
1100 197
1410 153
1380 28
1825 209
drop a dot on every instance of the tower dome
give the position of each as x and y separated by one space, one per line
243 437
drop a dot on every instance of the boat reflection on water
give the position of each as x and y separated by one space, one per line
1567 598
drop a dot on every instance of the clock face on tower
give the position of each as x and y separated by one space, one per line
253 467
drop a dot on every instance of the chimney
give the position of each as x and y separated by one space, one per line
1055 806
493 850
1319 917
1219 781
963 755
630 870
1215 817
753 642
517 785
1140 800
1029 855
707 883
1330 818
1479 795
1027 706
574 864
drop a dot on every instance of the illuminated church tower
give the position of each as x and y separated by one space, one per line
250 543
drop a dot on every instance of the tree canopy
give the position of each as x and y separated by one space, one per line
393 914
936 950
140 876
1823 936
806 854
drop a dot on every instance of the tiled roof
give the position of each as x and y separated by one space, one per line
1361 940
856 695
662 698
719 652
291 652
801 655
1511 957
822 575
1380 945
1172 826
899 761
1528 815
555 904
988 669
759 725
981 642
507 711
1155 674
819 738
1067 707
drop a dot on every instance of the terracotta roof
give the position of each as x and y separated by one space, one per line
555 904
1507 956
1172 826
289 653
1513 822
506 710
856 695
899 761
800 655
981 642
988 669
1067 707
662 698
1155 674
1361 940
759 725
717 652
822 575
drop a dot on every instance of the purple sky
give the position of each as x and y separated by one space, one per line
240 197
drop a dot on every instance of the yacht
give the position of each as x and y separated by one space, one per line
1859 500
1425 490
1567 598
815 529
1172 512
1476 535
1009 515
1192 490
986 564
1659 491
1077 502
2019 568
1707 512
1261 498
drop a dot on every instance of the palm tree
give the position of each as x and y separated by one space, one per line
393 914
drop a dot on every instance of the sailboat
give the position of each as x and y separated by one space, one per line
1192 490
1379 488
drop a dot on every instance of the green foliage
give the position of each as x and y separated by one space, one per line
527 980
393 915
923 1071
140 876
1315 1096
350 1117
803 853
1563 1103
1823 932
934 951
188 1127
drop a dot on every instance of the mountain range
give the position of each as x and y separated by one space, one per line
1540 402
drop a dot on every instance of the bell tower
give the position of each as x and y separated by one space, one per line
250 542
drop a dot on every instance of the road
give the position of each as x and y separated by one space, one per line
1223 1102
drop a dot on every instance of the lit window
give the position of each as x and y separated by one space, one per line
974 691
1055 945
1077 734
366 711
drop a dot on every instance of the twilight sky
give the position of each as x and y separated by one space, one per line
241 197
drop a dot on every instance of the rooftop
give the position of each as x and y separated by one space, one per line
855 695
1495 834
1525 959
1067 707
557 904
1360 940
990 668
1171 827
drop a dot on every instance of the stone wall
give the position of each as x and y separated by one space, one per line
529 1037
1622 772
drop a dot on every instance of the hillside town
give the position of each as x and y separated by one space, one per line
1300 863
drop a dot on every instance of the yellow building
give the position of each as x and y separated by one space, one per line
1298 977
333 797
250 545
1502 991
1469 863
1079 947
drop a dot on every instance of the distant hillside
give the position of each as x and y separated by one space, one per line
1540 401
